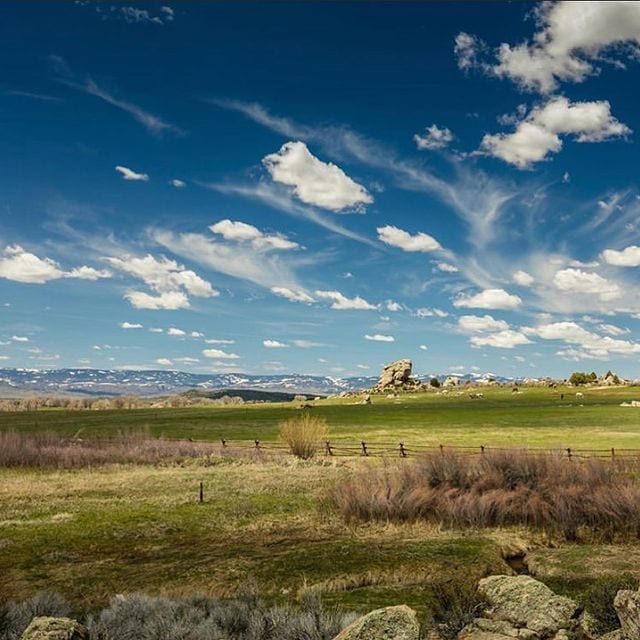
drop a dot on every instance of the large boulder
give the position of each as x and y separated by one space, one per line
396 376
390 623
627 604
527 603
47 628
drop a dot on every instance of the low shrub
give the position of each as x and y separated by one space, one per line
304 435
598 600
16 616
557 495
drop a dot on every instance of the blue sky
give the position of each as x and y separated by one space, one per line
320 188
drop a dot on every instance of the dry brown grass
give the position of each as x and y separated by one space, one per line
556 495
50 450
304 435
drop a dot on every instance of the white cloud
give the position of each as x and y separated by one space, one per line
507 339
174 331
480 324
165 362
538 134
289 294
243 232
171 300
20 338
424 347
342 303
446 267
130 325
396 237
130 174
20 266
219 341
187 360
523 278
362 366
393 306
306 344
613 330
433 138
178 184
489 299
628 257
315 182
156 330
426 312
570 37
466 48
274 344
591 344
380 338
88 273
196 334
165 277
578 281
218 353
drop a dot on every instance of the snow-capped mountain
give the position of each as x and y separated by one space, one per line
112 382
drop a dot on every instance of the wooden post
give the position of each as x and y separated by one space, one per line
441 449
364 448
201 492
482 449
403 451
327 448
224 442
613 453
257 443
569 454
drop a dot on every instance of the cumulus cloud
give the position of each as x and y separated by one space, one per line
571 37
20 338
628 257
419 242
445 267
538 135
274 344
392 305
313 181
433 138
130 325
165 362
19 265
426 312
424 347
178 184
220 354
489 299
307 344
174 331
219 341
481 324
247 233
342 303
591 344
379 338
507 339
523 278
130 174
170 280
579 281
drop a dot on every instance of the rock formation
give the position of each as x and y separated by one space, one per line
47 628
396 376
390 623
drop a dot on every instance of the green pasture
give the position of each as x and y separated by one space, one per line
535 417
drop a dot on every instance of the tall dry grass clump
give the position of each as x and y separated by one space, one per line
569 498
304 435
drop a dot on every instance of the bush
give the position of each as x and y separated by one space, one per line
15 617
434 382
304 435
559 496
456 602
580 377
598 600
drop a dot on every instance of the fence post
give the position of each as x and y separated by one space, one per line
569 454
364 448
257 443
482 449
441 449
613 453
403 451
201 495
327 448
224 442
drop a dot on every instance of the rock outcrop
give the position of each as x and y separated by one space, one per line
390 623
627 605
47 628
396 376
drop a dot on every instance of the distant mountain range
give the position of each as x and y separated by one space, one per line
113 382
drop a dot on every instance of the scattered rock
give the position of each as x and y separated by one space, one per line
451 381
527 603
390 623
46 628
485 629
627 604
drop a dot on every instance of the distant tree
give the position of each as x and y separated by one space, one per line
594 376
434 382
580 377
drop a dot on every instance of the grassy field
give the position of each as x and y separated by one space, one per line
535 417
266 524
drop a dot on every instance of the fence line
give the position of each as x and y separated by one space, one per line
403 450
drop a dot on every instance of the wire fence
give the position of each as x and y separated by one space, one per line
377 448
